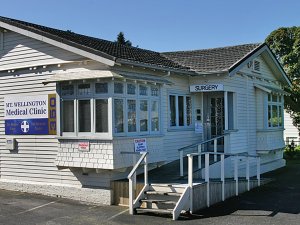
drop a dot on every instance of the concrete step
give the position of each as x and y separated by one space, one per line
157 211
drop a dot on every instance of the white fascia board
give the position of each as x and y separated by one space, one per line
245 61
57 44
256 54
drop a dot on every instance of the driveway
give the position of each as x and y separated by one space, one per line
275 203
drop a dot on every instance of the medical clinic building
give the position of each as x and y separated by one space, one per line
72 105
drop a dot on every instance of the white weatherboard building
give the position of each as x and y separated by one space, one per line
71 104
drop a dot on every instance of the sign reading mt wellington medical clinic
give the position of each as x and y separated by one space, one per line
25 115
206 87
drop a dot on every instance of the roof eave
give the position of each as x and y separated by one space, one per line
60 42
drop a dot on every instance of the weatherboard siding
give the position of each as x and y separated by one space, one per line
20 51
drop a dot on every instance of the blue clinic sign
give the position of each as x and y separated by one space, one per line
27 115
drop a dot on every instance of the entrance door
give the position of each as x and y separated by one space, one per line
215 123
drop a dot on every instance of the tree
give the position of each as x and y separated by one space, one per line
121 40
285 44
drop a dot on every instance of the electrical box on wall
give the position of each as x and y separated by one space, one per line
10 144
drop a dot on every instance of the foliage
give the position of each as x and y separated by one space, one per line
292 152
121 40
285 44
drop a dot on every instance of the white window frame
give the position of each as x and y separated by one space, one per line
92 97
185 126
137 97
278 104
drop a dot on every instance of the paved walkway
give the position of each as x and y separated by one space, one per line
275 203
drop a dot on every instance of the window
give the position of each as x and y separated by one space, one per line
275 110
68 116
101 115
82 113
256 66
180 111
118 88
137 111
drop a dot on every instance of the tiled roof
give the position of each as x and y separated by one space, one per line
104 48
206 60
214 59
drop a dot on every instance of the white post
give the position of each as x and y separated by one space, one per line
199 156
146 170
215 149
248 172
258 171
236 176
181 163
223 176
190 180
207 179
130 196
133 177
226 109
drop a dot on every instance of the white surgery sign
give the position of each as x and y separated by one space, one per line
206 87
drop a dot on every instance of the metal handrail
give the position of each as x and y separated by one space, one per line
203 142
199 144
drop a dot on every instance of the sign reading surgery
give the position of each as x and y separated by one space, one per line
26 115
206 87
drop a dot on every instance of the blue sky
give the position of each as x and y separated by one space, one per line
162 25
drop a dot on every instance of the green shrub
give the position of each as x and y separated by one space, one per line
292 152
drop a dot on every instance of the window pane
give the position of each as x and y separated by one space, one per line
101 115
274 116
154 116
274 98
68 116
118 88
84 89
154 91
67 90
131 89
101 88
143 90
188 111
280 119
269 98
119 116
143 115
172 110
131 114
84 115
181 110
269 116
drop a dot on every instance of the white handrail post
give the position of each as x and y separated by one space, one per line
215 149
258 171
207 179
248 172
130 196
146 170
236 176
134 177
181 163
199 156
190 180
223 176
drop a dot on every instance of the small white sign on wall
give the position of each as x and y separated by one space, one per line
140 145
206 87
198 128
84 146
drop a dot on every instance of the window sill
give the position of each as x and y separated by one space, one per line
179 129
138 136
84 138
273 129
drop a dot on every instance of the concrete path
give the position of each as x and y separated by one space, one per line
275 203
